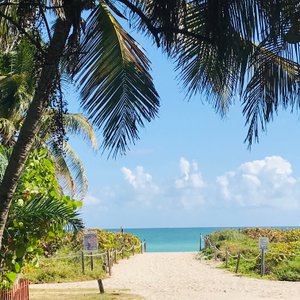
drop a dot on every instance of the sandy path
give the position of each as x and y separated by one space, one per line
180 276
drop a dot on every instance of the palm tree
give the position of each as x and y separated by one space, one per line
17 85
221 48
129 94
70 168
33 218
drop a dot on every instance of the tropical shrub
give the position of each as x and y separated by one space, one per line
282 261
39 211
63 257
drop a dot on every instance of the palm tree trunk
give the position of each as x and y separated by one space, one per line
32 123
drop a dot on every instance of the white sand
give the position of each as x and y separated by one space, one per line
180 276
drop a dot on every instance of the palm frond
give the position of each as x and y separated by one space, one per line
70 168
7 132
116 87
79 125
4 158
46 213
275 82
77 170
62 169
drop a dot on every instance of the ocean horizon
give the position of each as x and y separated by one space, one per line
178 239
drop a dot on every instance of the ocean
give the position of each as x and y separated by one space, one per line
177 239
172 239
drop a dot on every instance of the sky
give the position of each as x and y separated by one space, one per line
191 168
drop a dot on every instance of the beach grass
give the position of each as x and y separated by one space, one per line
67 270
81 293
282 261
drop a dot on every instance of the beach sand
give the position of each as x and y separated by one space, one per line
181 276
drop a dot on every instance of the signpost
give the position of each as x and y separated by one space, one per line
263 245
90 241
90 244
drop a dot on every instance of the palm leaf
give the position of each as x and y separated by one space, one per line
77 124
274 83
77 170
45 213
70 168
116 87
62 169
4 158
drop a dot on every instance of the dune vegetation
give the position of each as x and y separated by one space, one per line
62 259
282 261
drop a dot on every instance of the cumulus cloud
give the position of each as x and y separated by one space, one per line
185 192
268 182
190 184
191 177
142 183
104 196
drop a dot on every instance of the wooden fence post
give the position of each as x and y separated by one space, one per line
100 285
200 247
238 262
145 246
141 248
82 262
132 250
263 265
108 262
123 252
215 253
115 256
226 257
92 261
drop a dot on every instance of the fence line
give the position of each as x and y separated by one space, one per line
20 291
239 256
108 258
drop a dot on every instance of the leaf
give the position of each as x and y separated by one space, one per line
20 251
11 276
116 87
29 249
17 267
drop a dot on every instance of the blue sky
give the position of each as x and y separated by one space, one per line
191 168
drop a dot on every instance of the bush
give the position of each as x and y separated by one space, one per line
289 271
281 260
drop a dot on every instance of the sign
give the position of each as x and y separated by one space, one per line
90 241
263 243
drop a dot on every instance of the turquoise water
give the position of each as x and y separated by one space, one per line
175 239
172 239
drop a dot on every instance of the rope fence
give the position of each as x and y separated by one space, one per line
208 244
108 257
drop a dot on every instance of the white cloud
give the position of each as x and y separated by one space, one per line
189 186
104 196
268 182
139 179
191 177
146 190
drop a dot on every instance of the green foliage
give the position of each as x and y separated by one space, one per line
64 270
274 235
57 267
106 241
289 271
39 178
282 260
39 211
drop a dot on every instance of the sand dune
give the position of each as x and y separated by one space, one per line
180 276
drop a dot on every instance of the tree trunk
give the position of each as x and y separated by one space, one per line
32 122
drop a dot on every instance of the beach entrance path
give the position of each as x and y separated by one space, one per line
180 276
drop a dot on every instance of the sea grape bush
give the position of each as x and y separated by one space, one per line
282 259
39 211
274 235
107 240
